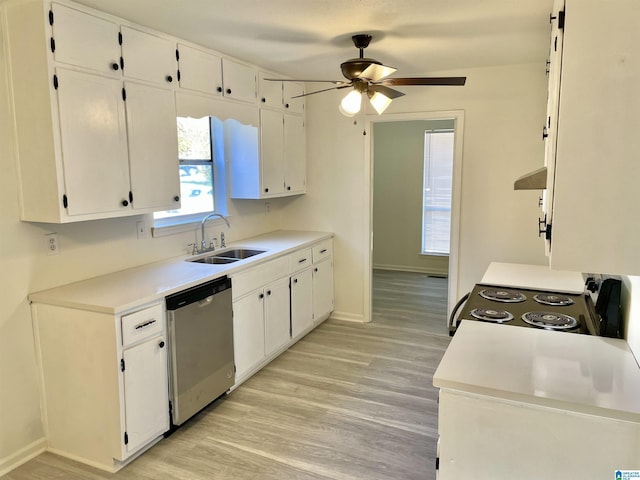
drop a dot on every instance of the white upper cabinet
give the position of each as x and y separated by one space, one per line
240 81
153 147
93 138
148 57
595 200
74 31
269 92
199 70
272 153
294 155
290 90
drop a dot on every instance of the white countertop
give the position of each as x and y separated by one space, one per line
582 373
534 277
121 291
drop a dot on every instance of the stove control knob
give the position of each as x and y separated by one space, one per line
592 285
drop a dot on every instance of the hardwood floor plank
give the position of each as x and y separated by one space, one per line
349 401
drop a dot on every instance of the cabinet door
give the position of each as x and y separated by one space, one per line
295 158
248 332
84 40
269 92
277 315
239 81
272 152
290 90
146 392
148 57
322 289
301 302
199 71
94 142
153 147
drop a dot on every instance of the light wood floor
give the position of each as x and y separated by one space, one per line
349 402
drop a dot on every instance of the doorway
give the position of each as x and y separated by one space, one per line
397 202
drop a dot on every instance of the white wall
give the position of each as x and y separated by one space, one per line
630 300
504 113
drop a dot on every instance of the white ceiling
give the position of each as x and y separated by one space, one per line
310 38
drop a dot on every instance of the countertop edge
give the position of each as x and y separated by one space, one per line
62 295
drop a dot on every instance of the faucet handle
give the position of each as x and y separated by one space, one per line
213 244
222 242
194 250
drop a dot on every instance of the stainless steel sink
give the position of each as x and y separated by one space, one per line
215 260
228 256
238 253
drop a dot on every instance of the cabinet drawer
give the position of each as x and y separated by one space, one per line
322 250
259 276
299 260
142 324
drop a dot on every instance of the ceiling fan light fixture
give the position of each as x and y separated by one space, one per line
350 104
379 101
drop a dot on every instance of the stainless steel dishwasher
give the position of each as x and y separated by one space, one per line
201 362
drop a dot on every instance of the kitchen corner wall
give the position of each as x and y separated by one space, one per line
631 312
504 110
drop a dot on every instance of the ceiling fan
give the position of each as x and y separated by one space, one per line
368 76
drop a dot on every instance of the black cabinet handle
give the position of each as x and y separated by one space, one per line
268 292
219 89
169 78
266 190
286 105
315 269
115 66
161 344
295 280
228 91
261 296
176 198
263 100
289 187
125 203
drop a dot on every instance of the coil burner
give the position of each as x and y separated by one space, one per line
553 299
503 295
491 315
550 320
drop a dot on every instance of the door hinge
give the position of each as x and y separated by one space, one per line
126 438
178 75
52 44
131 196
119 38
177 55
55 81
65 202
561 19
121 63
547 233
50 17
122 364
124 94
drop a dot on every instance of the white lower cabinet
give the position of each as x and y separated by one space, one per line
105 382
301 302
322 289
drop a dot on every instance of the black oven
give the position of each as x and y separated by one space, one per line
555 311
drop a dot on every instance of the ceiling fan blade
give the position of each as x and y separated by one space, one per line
424 81
324 90
336 82
386 91
376 72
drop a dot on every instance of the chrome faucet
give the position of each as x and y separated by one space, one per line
203 243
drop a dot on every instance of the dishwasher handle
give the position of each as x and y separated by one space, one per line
199 293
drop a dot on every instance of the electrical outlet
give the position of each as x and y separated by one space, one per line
267 208
51 243
141 229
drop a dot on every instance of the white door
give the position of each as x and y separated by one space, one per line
277 315
248 332
239 81
153 147
322 289
295 155
84 40
199 71
271 152
301 302
146 392
94 142
148 57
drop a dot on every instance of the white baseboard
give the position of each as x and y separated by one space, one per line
404 268
348 317
22 456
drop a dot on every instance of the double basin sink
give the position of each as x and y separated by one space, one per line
228 256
